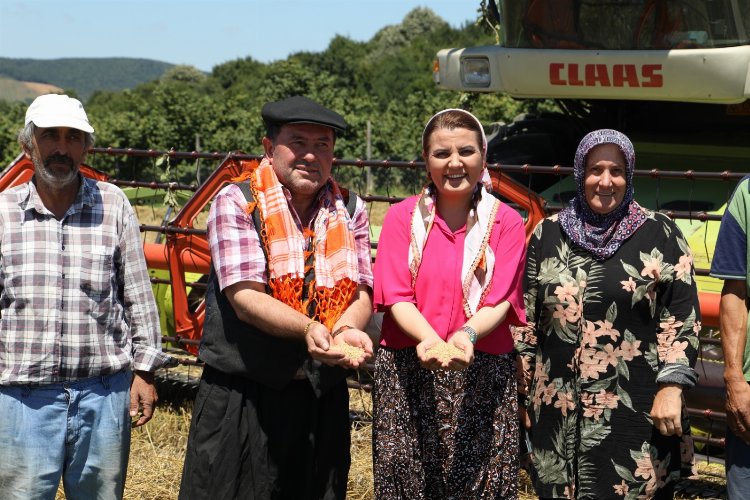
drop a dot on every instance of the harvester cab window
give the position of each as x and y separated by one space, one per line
552 25
624 24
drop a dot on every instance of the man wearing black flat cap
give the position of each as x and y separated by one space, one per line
290 285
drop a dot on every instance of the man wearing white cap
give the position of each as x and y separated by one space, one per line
79 331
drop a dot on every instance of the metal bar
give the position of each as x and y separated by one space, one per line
379 163
154 185
171 230
380 198
558 170
655 173
180 340
196 284
701 216
190 362
707 414
718 442
353 384
180 155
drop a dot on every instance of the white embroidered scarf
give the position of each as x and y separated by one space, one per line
478 260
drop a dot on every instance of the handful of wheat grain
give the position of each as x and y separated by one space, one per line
445 352
351 352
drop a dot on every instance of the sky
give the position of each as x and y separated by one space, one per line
200 33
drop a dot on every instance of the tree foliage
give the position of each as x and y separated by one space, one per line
386 81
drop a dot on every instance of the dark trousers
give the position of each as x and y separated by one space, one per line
252 442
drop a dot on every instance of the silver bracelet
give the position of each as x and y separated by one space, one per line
471 332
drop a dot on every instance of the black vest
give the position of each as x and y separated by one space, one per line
234 347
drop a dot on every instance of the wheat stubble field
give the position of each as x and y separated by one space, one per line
157 452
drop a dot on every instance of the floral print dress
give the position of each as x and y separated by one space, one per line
601 336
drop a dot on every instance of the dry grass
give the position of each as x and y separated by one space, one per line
361 485
16 90
360 475
708 483
376 211
157 452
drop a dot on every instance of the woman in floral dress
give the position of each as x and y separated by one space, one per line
611 341
449 272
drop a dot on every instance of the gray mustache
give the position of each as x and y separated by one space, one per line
59 159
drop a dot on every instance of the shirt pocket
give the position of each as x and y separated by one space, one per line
96 273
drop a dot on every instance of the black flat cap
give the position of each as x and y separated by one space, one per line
300 109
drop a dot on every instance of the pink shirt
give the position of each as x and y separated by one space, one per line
437 292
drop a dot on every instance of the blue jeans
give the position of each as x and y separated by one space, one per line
737 461
78 431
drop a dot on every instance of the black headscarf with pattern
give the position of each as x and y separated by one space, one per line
602 234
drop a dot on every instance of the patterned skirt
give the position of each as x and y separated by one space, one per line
444 434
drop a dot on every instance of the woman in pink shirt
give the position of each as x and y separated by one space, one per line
448 270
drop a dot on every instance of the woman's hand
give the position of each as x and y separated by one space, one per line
460 340
666 412
429 361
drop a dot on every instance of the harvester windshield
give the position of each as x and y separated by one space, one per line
624 24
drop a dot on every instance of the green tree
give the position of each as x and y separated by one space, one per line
11 121
386 81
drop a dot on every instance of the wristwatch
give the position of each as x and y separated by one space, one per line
471 332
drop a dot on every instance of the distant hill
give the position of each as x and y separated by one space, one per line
83 75
14 90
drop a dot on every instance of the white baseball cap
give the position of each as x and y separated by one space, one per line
55 110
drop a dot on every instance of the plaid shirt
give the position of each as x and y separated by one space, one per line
75 295
236 249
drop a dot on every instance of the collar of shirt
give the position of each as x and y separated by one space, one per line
318 201
29 198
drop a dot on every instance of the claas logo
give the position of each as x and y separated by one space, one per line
603 75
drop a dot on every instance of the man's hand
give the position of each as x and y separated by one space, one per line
356 338
733 325
738 408
318 340
143 397
666 412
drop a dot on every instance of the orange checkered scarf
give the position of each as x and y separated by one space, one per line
334 253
